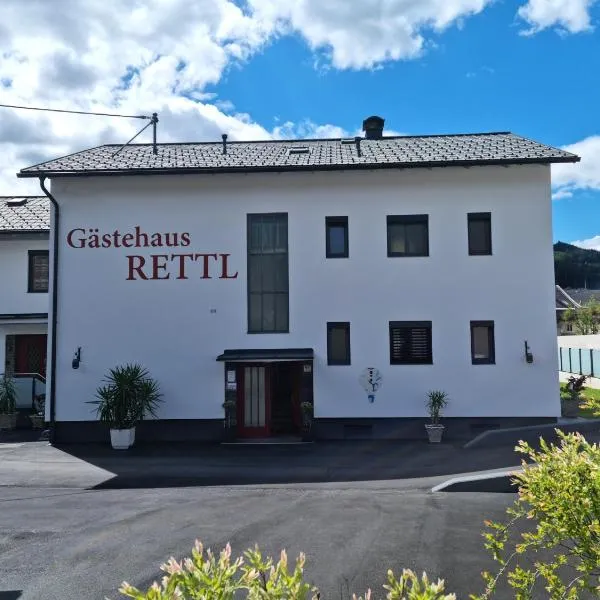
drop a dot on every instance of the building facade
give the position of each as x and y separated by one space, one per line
354 275
24 266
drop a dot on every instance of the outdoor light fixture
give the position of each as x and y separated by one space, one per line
76 358
528 355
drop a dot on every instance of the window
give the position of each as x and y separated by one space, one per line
408 235
338 343
480 233
336 237
482 343
268 284
38 271
410 343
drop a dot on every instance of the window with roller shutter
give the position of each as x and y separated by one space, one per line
410 343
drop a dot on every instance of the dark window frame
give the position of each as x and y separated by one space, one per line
31 254
345 325
336 222
491 359
410 325
485 217
407 220
249 219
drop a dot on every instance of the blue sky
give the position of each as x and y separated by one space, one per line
310 68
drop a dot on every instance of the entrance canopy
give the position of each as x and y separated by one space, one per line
267 354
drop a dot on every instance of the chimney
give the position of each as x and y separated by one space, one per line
373 127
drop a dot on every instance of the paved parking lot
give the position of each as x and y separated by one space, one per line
75 522
59 544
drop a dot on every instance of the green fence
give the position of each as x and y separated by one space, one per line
582 361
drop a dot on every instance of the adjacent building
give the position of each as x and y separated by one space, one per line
24 233
354 274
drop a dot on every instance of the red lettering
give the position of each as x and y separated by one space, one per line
185 239
116 235
182 258
80 241
205 274
141 261
127 239
139 236
156 267
224 274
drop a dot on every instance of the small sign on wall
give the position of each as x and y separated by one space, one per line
231 386
308 368
370 379
230 376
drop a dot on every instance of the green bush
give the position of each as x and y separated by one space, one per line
206 576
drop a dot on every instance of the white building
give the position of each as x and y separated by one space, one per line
24 232
276 272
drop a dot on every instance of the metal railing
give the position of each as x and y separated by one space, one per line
29 386
580 361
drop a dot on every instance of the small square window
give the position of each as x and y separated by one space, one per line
407 235
38 271
482 343
480 233
338 343
336 240
410 343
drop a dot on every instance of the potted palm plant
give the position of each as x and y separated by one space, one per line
436 401
39 417
307 410
8 403
126 397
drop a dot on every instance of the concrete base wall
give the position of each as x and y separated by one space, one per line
211 430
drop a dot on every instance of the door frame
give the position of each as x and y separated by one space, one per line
242 430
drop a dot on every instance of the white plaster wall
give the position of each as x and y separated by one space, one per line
14 265
169 326
579 341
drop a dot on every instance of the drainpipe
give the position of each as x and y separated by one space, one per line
54 309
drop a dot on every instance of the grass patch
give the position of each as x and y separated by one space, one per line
587 393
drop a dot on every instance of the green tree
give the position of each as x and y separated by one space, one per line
559 497
586 320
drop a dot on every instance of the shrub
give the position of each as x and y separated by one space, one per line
559 495
208 576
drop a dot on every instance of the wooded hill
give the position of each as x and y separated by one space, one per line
575 267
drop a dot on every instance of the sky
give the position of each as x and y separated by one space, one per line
260 69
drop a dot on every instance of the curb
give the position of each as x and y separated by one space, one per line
498 481
530 433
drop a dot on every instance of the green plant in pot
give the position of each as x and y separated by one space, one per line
307 410
437 400
38 418
8 402
127 396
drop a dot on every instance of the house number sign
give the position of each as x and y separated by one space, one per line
370 379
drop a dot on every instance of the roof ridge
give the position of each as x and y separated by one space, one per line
21 196
304 140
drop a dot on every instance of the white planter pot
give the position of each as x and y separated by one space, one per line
122 439
434 433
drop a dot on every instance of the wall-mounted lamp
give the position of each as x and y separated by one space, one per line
528 354
76 358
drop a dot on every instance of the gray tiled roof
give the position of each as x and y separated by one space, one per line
390 152
582 296
24 213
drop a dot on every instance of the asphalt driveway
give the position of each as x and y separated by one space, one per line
63 544
75 522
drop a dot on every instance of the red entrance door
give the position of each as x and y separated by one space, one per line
30 354
254 406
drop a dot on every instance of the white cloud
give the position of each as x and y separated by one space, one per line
589 244
585 175
364 34
572 16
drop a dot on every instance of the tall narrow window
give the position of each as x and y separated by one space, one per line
407 235
268 281
338 343
410 343
480 233
336 237
38 271
482 343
